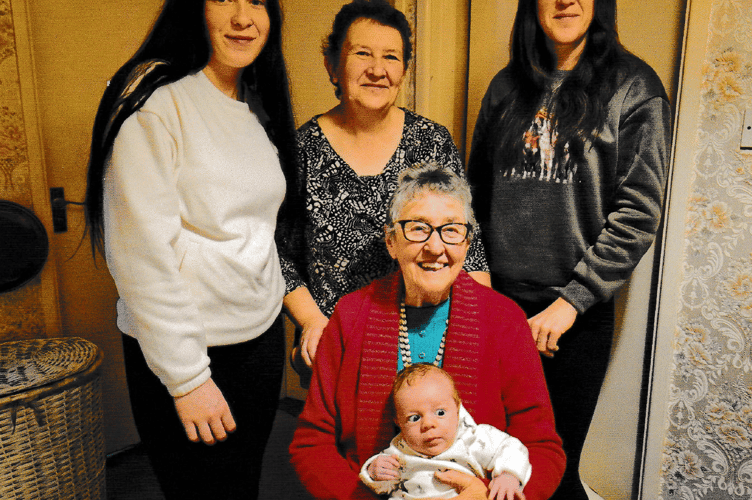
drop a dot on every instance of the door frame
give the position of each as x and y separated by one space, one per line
36 165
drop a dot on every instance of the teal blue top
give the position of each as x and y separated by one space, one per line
425 328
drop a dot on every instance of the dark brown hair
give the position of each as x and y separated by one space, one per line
579 106
176 46
380 11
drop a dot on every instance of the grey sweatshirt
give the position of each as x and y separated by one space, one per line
559 228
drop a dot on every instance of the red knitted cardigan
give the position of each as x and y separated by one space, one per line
489 352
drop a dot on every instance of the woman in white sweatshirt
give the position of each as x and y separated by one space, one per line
191 156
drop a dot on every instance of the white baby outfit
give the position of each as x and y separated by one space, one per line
477 448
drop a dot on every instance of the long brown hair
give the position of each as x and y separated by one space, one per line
176 46
579 106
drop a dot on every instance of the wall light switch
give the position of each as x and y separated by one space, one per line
747 130
59 210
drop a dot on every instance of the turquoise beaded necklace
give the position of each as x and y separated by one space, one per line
423 338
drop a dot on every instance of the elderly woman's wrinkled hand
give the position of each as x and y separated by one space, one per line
309 340
469 487
550 324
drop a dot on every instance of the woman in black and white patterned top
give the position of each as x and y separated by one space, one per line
351 157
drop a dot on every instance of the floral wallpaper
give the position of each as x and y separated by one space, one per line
14 165
20 310
708 446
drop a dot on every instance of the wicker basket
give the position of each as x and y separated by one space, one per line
51 432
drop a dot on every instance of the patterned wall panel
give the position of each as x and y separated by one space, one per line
708 445
21 313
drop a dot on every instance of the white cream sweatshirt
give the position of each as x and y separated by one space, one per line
192 191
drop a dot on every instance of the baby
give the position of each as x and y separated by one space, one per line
436 432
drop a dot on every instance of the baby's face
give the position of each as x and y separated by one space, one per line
427 414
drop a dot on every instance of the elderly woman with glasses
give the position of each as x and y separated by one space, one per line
429 311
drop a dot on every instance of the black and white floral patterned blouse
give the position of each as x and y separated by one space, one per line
346 212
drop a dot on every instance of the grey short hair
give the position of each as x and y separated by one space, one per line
429 178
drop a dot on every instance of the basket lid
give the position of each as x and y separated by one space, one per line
26 364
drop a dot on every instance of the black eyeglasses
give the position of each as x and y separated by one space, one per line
452 234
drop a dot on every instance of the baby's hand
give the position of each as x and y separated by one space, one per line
384 468
505 487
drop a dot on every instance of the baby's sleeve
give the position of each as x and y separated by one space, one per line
503 453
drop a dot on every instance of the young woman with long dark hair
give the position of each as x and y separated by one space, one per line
568 166
191 157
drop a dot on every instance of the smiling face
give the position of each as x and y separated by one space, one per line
427 413
429 268
371 67
238 31
566 23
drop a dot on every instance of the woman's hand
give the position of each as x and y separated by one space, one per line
469 487
306 313
550 324
384 468
205 410
309 340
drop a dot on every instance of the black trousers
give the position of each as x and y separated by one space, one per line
574 377
250 377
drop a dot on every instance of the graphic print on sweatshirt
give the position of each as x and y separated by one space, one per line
539 161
